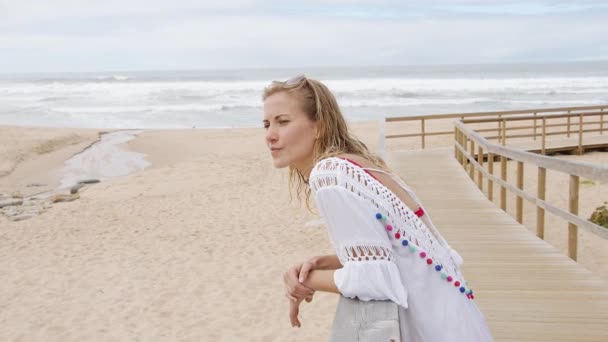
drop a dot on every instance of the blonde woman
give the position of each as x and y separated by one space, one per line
387 249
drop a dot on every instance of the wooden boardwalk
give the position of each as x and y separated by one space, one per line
563 144
527 289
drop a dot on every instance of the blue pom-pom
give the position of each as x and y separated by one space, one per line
378 216
462 289
437 268
404 242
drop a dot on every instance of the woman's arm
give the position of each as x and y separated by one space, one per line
326 262
321 280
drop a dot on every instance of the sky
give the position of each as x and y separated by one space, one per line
116 35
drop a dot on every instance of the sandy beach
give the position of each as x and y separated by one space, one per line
192 248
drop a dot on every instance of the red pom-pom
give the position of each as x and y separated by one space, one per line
419 212
429 261
456 283
397 235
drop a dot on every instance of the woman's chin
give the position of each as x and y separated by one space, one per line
279 164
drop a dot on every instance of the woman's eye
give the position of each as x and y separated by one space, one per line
283 122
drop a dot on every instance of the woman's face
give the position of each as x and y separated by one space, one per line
290 135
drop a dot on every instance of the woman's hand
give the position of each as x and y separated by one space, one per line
294 310
296 291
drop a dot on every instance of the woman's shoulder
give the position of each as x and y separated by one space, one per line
339 164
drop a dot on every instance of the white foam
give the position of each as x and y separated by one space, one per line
123 101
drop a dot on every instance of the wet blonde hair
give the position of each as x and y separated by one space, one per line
334 139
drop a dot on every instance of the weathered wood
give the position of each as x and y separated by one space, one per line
456 142
519 201
540 212
504 133
472 157
423 132
479 174
602 122
587 170
567 216
544 137
499 113
572 228
527 289
580 135
491 171
534 132
371 321
532 117
503 177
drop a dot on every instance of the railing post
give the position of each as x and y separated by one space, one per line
455 142
568 129
540 212
519 201
544 137
479 173
572 228
460 144
422 126
580 135
490 171
602 122
534 127
504 132
464 150
471 165
499 130
503 176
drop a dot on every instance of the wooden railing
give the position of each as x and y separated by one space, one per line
503 117
465 137
581 124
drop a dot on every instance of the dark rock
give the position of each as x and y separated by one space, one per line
89 181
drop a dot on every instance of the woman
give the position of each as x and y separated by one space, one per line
386 246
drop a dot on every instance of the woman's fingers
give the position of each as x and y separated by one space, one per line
290 297
294 288
294 310
306 267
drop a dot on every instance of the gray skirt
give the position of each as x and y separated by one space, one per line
372 321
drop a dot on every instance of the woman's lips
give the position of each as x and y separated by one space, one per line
275 151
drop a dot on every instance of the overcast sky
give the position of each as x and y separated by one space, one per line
70 35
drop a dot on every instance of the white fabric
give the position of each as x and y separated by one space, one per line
376 266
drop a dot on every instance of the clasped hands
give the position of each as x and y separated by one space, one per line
296 291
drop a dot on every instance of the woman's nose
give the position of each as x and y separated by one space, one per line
271 134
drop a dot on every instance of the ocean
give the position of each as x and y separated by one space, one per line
233 98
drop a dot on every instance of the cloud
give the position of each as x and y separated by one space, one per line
191 34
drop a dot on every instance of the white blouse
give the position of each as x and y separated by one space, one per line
389 253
